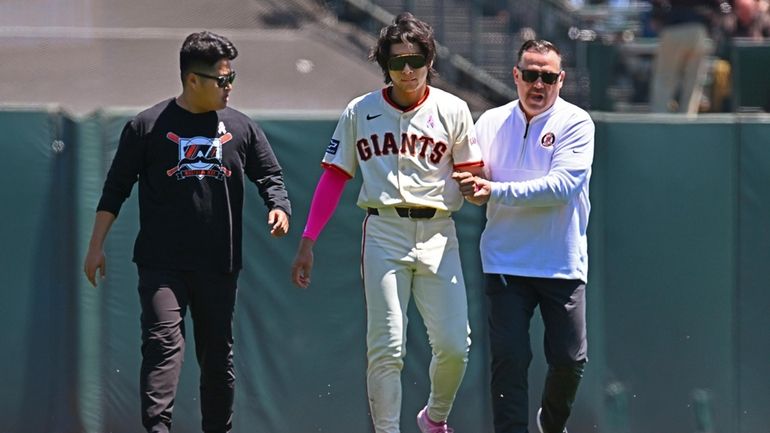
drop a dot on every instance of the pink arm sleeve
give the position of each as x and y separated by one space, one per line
325 199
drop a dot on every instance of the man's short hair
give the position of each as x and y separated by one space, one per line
407 29
539 46
203 50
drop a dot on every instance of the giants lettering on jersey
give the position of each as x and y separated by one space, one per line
411 144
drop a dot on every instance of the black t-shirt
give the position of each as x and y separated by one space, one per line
190 168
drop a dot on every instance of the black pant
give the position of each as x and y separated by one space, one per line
165 296
512 301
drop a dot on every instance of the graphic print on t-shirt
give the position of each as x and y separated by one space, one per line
199 157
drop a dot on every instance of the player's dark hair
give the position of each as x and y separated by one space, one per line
407 29
539 46
203 50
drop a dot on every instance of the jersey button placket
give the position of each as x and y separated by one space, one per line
403 128
400 172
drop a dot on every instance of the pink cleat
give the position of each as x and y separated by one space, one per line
426 425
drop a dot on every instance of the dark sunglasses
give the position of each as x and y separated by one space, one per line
414 61
222 80
531 76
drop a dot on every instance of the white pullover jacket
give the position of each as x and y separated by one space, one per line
537 215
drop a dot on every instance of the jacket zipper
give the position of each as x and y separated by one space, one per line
523 153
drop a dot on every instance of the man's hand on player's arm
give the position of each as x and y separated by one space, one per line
303 263
474 188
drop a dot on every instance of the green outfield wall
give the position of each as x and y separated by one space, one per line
679 330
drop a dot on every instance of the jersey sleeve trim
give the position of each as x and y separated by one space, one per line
330 166
470 164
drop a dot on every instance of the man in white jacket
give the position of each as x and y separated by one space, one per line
538 151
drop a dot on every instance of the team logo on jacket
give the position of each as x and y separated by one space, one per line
199 157
548 140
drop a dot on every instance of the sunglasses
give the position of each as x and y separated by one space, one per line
222 80
415 61
531 76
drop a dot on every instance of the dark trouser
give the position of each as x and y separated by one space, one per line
165 296
512 301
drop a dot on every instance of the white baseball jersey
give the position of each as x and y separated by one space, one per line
407 156
537 215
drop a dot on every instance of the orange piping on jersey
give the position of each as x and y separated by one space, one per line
328 166
470 164
409 108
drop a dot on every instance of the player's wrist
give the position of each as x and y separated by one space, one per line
306 243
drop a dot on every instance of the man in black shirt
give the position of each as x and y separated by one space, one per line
190 156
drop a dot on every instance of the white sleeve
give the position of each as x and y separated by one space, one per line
465 149
482 135
570 168
341 151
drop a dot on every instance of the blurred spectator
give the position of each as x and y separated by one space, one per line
745 19
683 27
574 4
749 19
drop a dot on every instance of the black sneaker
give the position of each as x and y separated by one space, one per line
539 424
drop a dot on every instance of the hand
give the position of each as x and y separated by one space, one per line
279 222
465 181
475 189
95 256
303 263
94 261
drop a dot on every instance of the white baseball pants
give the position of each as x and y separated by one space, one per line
404 257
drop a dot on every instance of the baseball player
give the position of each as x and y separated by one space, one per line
534 248
191 156
406 139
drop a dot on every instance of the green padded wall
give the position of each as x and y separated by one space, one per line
38 369
752 349
669 265
677 299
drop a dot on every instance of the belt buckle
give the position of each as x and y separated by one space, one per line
421 212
